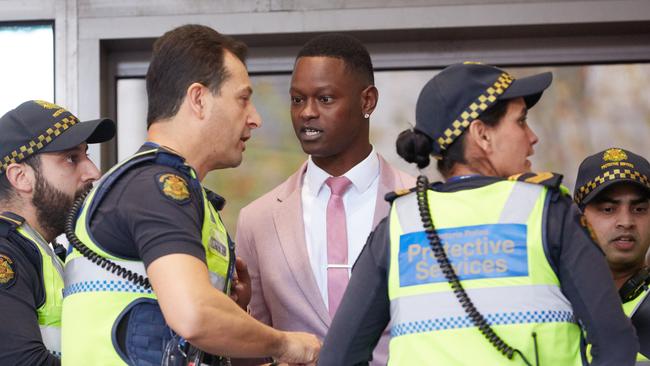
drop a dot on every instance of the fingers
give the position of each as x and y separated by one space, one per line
242 270
300 348
241 284
234 296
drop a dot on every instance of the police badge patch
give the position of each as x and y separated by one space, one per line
7 274
173 187
614 155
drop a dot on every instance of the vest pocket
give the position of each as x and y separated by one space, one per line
140 333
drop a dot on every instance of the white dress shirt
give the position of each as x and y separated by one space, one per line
359 202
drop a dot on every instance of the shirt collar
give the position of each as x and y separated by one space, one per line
361 175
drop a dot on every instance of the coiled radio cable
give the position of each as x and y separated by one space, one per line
95 258
475 316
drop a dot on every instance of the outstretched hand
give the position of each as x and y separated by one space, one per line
300 349
240 289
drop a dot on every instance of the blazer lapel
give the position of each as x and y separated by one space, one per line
291 232
386 184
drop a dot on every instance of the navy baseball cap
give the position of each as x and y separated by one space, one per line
457 95
608 167
38 126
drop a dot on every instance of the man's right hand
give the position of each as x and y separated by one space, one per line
299 348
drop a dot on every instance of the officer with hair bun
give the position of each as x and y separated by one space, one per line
490 267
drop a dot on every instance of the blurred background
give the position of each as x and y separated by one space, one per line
91 57
586 109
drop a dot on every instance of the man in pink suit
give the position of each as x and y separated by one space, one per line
301 239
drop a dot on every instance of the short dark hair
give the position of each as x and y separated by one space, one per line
188 54
347 48
6 189
415 146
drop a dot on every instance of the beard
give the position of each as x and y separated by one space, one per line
53 206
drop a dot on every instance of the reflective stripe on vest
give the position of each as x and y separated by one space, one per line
82 275
516 210
52 338
526 304
95 299
493 238
49 313
629 308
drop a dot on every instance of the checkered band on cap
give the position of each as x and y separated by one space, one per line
483 102
612 174
38 142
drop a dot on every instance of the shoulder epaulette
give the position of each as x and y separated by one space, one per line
392 196
8 222
546 179
12 218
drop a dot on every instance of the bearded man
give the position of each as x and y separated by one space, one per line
43 168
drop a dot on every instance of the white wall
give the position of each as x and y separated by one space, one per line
131 116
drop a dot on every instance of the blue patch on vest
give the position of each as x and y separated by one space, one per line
475 252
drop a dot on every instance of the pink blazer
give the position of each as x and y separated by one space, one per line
271 239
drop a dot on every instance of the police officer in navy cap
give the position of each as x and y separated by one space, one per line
613 192
490 267
43 167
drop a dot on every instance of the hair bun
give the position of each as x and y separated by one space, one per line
414 147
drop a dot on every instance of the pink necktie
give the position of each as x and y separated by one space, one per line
337 243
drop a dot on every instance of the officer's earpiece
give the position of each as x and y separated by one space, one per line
635 285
